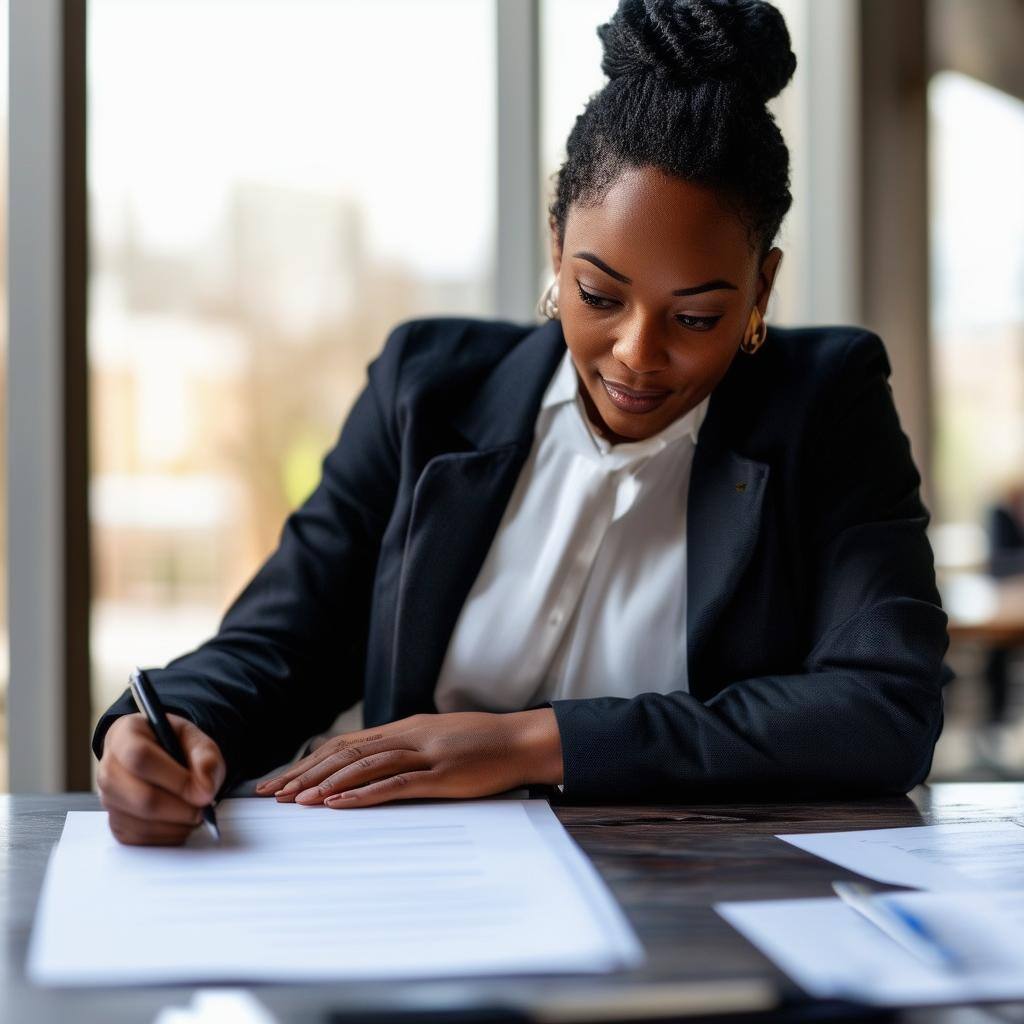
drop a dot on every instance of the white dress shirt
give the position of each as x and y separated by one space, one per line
583 590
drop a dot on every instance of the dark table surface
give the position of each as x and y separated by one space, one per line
666 865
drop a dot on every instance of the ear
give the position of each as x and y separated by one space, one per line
555 246
766 277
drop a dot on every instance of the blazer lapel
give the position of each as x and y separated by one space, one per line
460 497
457 505
723 515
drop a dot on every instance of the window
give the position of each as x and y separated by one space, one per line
977 315
3 401
273 186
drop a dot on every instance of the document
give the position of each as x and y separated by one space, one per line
973 874
833 952
291 892
972 855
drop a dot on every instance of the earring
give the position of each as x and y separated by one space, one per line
548 305
757 331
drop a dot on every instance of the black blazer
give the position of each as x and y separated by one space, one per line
816 636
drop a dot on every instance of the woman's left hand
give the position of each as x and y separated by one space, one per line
458 754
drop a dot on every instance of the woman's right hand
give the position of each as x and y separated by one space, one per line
151 799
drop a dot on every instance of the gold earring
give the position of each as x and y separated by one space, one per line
548 305
757 331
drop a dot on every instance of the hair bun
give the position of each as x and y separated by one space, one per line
692 41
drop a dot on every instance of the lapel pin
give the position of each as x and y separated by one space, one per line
741 487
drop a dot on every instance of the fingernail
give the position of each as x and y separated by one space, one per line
337 798
292 787
307 795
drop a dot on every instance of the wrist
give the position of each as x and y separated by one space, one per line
540 745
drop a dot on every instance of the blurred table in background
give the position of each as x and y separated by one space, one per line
984 610
984 733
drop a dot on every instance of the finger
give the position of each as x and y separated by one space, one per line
138 751
138 832
363 770
406 786
206 764
140 755
325 749
277 782
332 761
356 753
122 791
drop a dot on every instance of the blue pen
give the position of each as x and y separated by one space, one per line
900 924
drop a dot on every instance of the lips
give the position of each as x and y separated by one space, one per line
623 390
632 401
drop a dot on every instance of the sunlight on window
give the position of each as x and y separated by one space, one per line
4 660
977 316
273 186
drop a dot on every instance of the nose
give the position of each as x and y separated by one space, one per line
642 347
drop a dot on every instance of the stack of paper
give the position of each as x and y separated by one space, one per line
296 892
975 907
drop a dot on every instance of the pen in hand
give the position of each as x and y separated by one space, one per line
149 704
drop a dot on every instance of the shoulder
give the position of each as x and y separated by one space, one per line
433 353
809 370
799 384
822 357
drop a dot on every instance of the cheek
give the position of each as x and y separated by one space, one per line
586 339
588 354
701 366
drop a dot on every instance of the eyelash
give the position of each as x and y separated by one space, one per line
693 323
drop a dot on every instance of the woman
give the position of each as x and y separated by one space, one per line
649 550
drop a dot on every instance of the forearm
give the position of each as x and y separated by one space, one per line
258 713
863 718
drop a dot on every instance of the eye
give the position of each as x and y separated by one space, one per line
692 323
698 323
593 300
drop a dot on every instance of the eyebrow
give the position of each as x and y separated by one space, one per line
707 286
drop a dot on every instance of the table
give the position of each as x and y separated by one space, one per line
988 614
984 609
665 864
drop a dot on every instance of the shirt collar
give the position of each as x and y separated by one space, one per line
564 387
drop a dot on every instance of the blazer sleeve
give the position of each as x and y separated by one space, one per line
865 710
289 653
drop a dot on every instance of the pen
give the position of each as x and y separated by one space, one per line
898 923
149 704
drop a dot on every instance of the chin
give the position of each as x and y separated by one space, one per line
622 425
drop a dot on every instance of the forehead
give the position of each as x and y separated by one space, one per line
650 224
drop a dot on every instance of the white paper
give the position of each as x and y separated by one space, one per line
974 855
295 892
833 952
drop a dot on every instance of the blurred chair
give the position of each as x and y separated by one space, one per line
1005 531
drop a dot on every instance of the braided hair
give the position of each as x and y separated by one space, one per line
688 85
